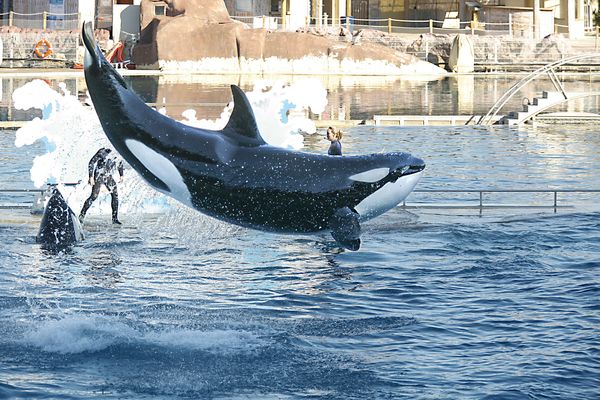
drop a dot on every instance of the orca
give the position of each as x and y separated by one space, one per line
60 228
235 176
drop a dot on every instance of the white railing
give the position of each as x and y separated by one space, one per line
389 25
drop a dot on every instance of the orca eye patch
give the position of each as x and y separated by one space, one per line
371 176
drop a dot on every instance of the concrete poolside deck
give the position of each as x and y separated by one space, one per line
485 69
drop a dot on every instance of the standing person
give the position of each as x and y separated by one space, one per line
335 148
100 172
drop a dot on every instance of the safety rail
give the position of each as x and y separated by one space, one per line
490 116
480 199
389 25
13 206
34 190
448 25
41 20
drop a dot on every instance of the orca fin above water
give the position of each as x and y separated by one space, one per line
242 125
345 228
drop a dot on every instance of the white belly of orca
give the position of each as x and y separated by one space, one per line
388 197
163 169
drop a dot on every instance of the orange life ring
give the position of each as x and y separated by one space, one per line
46 43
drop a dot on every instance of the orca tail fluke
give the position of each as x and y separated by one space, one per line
242 121
93 53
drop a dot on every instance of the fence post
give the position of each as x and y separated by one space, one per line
431 26
495 52
389 25
44 22
264 18
597 34
11 17
510 32
283 14
472 27
325 19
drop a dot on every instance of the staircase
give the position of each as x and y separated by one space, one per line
537 105
540 104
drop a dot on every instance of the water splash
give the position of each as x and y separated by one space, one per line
72 134
74 334
290 103
77 334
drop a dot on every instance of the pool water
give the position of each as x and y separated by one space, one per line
437 303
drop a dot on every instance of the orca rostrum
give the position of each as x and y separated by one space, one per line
233 175
59 228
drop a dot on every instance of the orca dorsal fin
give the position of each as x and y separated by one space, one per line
242 124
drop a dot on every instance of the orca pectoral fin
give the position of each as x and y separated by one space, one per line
345 228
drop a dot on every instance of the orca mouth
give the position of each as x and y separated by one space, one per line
413 169
409 169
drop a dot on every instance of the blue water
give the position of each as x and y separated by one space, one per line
438 303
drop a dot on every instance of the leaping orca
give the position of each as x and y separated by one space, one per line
235 176
59 227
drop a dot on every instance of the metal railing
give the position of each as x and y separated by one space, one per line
477 202
480 202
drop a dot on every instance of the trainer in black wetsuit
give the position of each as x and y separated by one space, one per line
101 168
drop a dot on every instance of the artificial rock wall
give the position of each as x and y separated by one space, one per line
199 35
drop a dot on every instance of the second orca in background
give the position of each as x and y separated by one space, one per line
60 227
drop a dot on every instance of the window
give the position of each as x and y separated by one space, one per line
243 5
159 10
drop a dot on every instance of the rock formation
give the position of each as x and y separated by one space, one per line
199 35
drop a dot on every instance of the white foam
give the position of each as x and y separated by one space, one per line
79 334
307 65
218 340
